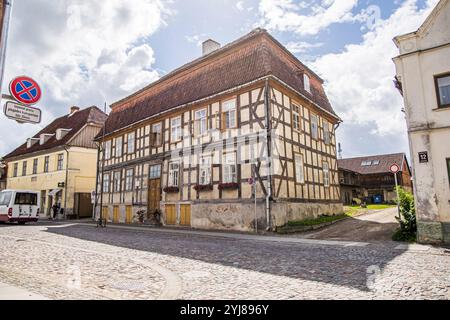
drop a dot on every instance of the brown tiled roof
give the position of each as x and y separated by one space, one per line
249 58
75 122
355 164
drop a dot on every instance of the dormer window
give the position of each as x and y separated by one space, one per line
61 133
307 82
31 142
44 138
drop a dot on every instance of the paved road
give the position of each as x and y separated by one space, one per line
72 261
376 226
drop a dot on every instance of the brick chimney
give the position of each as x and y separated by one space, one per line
210 46
74 109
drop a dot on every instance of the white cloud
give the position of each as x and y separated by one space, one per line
240 5
286 15
301 47
81 52
359 79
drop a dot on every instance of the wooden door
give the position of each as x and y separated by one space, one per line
171 214
116 214
129 210
154 195
105 213
185 215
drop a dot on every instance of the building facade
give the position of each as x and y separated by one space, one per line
192 144
60 162
369 180
423 76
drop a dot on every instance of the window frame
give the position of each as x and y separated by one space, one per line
170 174
228 111
307 83
129 179
117 183
326 174
131 142
107 151
24 168
46 164
180 130
106 182
205 168
298 114
327 132
297 171
225 165
35 165
438 93
314 116
153 142
198 121
60 162
15 170
117 155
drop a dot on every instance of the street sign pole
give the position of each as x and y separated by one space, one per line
4 38
398 197
256 211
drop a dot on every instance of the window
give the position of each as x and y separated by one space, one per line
46 163
60 162
26 199
16 169
119 147
106 182
155 172
35 166
201 124
174 172
375 162
326 174
108 150
314 127
156 135
229 168
296 117
175 129
205 171
117 181
307 82
366 163
299 169
326 132
443 90
129 180
229 115
24 168
130 142
448 169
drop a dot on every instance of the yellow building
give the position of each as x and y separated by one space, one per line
60 162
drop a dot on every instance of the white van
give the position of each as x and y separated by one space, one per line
19 206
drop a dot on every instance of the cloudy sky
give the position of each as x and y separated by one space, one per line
86 52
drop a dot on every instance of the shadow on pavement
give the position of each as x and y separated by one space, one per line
342 266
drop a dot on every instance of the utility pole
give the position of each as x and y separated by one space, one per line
4 37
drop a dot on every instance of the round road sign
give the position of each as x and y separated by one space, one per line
25 90
394 168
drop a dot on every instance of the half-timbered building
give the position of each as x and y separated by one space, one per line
243 120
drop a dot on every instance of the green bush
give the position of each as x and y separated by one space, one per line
407 220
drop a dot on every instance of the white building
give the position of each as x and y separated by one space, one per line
423 74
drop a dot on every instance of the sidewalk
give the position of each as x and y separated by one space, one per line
8 292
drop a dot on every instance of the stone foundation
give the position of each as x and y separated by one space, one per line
429 232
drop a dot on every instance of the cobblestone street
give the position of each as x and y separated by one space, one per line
76 261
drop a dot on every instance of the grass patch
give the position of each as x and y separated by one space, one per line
380 206
315 222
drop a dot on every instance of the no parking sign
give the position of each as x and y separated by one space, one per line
25 90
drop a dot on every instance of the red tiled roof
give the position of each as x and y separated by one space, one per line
355 164
75 122
249 58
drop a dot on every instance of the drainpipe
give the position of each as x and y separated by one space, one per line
269 155
65 183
